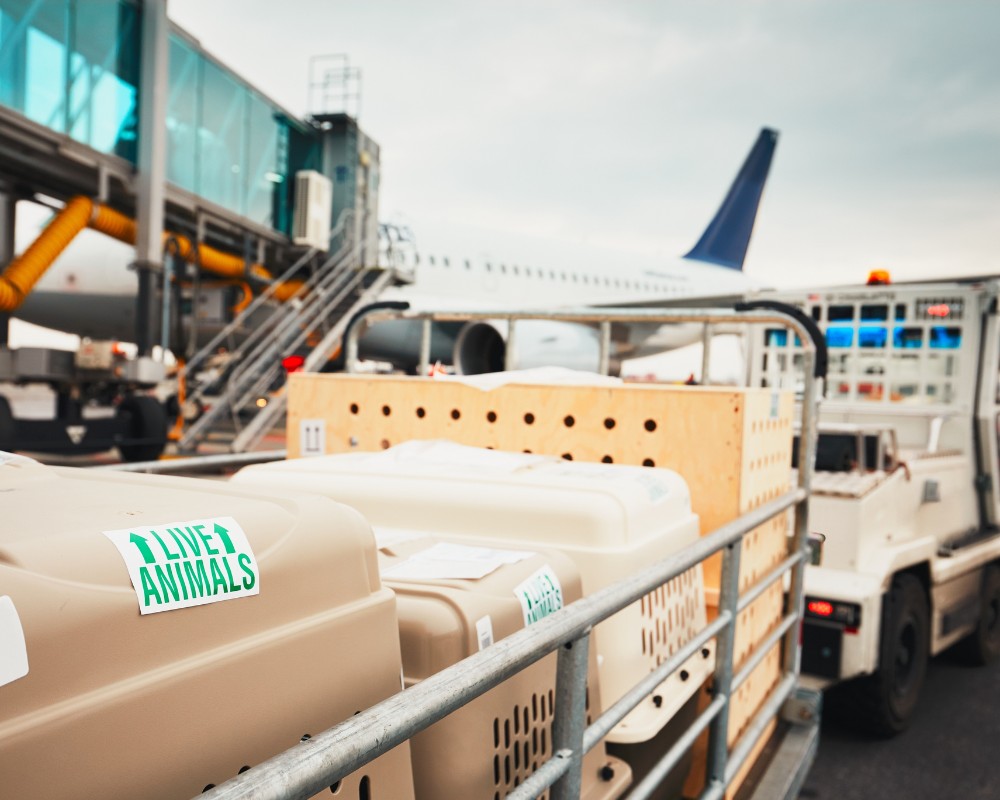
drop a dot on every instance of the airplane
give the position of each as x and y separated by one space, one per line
94 268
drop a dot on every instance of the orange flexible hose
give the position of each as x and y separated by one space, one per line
24 271
123 228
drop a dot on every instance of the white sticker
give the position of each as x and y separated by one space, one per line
448 561
184 564
13 652
484 631
775 404
312 437
539 595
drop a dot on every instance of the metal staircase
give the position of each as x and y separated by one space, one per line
311 323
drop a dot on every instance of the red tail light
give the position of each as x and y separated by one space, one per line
821 608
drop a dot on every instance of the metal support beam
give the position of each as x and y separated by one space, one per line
729 598
570 720
152 163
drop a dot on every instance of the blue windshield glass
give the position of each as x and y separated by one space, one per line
839 336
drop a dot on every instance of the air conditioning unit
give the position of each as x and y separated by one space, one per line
313 209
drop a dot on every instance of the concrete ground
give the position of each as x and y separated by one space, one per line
952 749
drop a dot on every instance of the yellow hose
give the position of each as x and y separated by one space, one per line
124 229
24 271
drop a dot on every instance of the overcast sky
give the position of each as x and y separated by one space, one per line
546 132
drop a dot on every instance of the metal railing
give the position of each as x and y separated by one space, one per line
317 763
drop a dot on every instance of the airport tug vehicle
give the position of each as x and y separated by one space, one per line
904 505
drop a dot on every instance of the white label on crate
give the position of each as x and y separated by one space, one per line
13 652
484 631
312 437
184 564
539 595
448 561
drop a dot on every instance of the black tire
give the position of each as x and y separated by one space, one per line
145 428
7 433
885 702
982 646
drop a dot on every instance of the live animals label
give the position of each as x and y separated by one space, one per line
184 564
539 595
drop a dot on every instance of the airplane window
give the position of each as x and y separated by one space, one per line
517 269
503 268
576 278
467 264
607 281
900 311
416 259
489 267
564 276
618 283
445 261
431 260
527 272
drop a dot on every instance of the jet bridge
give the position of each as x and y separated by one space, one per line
226 195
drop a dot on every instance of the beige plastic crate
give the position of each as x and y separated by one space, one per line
731 445
610 520
488 747
160 705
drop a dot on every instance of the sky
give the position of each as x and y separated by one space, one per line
553 132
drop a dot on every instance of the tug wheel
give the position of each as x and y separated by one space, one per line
144 426
886 700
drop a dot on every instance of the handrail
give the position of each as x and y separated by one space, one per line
315 764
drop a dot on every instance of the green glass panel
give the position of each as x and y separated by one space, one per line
184 89
265 175
104 76
221 139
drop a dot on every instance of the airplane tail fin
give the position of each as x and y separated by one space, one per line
725 240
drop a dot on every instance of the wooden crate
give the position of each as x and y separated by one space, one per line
731 445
